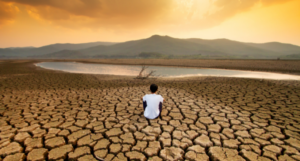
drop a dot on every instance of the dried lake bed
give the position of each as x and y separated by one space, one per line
50 115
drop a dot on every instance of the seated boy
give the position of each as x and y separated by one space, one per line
152 103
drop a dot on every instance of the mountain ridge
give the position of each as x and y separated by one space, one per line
166 47
47 49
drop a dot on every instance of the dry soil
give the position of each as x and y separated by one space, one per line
49 115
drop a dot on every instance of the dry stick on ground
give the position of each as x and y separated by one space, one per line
151 73
145 76
142 70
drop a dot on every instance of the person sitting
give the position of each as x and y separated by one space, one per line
152 103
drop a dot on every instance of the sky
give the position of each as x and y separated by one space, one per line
42 22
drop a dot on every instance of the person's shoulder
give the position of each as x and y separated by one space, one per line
159 96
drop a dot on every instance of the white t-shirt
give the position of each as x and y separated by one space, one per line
152 101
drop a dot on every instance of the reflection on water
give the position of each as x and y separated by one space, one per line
130 70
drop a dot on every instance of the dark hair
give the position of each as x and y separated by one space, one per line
153 88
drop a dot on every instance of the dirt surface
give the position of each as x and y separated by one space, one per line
48 115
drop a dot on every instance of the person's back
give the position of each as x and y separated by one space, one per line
152 103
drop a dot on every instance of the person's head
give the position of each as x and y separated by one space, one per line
153 88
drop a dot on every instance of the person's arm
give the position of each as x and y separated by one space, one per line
144 103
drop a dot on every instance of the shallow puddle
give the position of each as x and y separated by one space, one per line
133 70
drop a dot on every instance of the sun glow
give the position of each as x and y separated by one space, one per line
37 23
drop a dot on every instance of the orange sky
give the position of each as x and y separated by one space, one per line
43 22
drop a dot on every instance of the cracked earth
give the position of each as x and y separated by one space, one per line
47 115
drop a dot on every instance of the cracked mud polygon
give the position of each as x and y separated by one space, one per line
48 115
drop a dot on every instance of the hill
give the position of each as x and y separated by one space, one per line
277 47
32 51
238 49
158 44
165 47
63 54
169 47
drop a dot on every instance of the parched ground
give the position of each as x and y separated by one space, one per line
48 115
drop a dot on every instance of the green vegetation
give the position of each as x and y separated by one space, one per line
152 55
155 55
292 56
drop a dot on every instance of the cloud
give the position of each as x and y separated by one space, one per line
137 14
97 13
222 10
271 2
7 12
